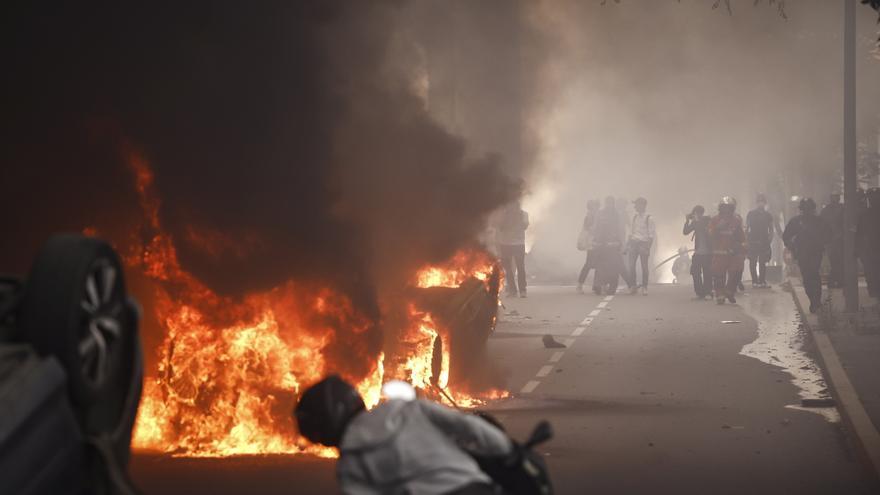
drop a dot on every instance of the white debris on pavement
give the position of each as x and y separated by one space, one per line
780 343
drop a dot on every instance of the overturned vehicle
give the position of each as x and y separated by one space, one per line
70 372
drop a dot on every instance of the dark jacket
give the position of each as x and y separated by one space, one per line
759 227
608 231
700 229
806 235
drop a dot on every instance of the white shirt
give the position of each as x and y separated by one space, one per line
643 228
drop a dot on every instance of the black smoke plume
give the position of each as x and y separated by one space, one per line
284 142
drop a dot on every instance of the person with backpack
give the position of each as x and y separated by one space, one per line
697 224
805 236
638 247
585 243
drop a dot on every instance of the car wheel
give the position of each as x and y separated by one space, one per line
75 309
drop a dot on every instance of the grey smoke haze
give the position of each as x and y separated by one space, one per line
683 104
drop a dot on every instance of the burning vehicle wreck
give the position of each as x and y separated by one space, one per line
71 356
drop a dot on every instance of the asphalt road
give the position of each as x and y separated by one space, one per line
651 395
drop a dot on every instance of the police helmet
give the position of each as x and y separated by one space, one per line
728 203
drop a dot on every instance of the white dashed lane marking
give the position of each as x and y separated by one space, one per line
545 370
530 386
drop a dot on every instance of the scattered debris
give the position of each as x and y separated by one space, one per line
551 343
825 402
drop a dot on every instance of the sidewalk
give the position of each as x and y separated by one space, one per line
849 347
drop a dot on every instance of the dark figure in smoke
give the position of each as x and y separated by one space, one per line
585 243
511 232
698 224
607 243
400 446
868 242
638 247
832 213
805 236
727 237
759 232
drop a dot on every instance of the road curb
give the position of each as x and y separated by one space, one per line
851 408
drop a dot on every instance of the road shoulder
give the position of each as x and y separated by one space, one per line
854 414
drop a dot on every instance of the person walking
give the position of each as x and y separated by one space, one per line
832 213
511 229
868 242
607 242
727 237
759 233
585 243
805 236
697 224
638 247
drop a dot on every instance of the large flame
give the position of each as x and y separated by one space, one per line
229 371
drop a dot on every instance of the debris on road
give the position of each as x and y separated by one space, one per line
825 402
551 343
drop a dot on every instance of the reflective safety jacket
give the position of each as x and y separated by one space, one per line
726 234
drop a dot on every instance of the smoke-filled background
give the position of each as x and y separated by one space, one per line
351 142
683 104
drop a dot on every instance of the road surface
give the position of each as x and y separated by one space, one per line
653 394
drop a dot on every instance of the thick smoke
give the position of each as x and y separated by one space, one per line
285 143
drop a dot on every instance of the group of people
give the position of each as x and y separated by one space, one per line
723 243
605 241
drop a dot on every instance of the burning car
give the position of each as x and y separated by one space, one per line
70 372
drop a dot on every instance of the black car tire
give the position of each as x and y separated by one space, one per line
76 309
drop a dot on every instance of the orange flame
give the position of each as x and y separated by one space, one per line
229 372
